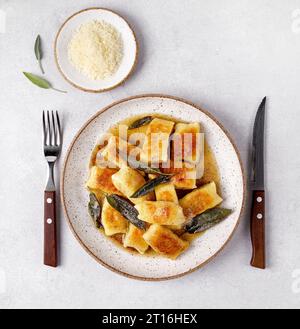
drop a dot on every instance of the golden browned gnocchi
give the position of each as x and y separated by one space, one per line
152 202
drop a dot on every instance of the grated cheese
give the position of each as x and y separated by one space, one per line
96 50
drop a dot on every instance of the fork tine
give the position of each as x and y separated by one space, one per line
44 128
59 141
54 129
49 129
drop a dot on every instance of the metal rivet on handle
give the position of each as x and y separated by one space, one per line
259 199
49 200
49 221
259 216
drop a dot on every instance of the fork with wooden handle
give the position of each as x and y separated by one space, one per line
52 149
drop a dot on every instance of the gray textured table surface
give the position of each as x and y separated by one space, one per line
224 56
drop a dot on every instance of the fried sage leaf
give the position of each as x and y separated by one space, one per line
138 165
38 52
126 209
207 220
140 122
150 186
94 209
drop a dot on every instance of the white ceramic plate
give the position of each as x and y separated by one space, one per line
75 197
64 35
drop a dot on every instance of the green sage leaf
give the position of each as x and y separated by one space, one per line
94 210
141 166
141 122
150 186
126 209
40 82
208 219
38 52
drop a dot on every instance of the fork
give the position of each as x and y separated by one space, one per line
52 149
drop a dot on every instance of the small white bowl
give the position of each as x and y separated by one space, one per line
77 79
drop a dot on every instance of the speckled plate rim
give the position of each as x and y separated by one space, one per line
104 89
100 261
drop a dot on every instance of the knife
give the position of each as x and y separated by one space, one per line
258 192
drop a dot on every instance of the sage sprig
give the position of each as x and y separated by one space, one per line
207 219
38 52
140 122
150 186
94 210
126 209
40 82
141 166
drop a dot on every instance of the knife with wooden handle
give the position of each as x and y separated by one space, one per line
258 191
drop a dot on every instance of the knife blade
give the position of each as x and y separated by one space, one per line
258 194
258 148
